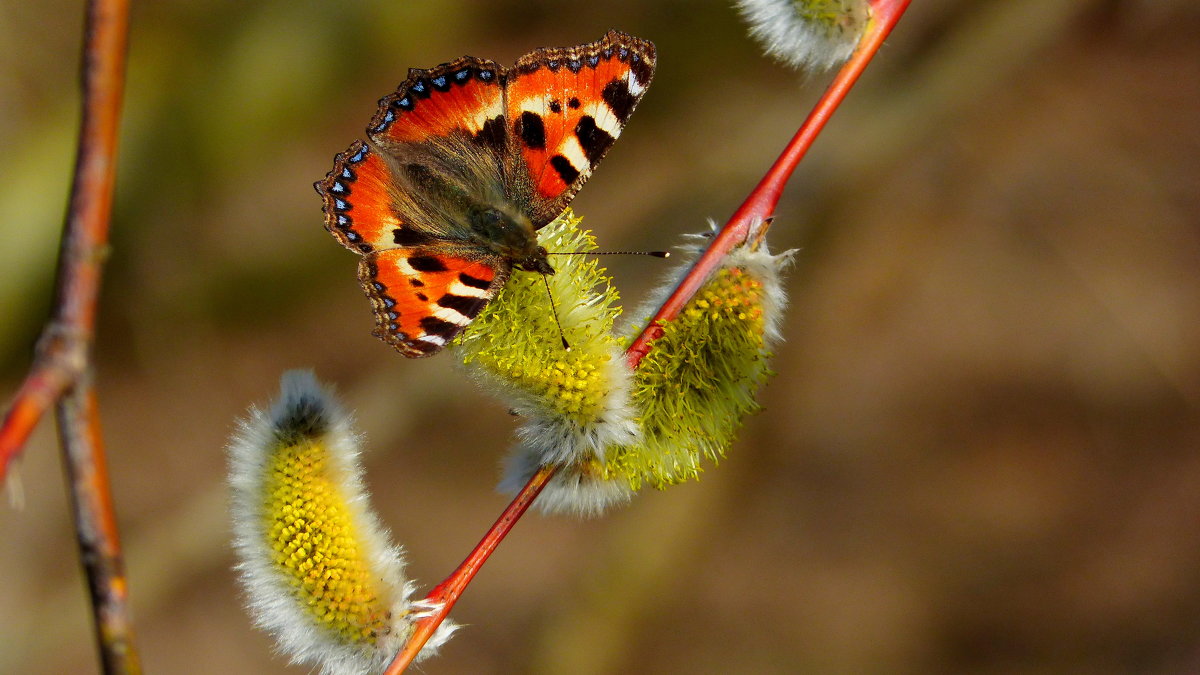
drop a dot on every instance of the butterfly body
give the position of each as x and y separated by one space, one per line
463 164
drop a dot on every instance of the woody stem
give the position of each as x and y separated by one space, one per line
63 351
446 594
62 368
760 205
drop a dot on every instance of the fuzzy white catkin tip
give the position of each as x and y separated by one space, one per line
580 488
807 34
318 570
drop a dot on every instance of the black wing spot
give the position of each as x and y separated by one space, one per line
435 326
594 140
642 70
620 101
474 282
406 236
425 263
467 306
565 169
493 133
531 130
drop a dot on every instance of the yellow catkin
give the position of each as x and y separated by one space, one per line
516 340
838 17
698 383
571 387
311 533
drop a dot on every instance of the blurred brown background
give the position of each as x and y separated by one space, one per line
980 451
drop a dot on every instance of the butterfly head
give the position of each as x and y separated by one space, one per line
536 262
510 235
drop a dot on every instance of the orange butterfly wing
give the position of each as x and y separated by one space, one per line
465 95
422 301
565 109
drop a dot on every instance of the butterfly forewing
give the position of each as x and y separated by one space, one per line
465 95
566 107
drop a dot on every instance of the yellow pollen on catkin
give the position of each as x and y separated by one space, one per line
517 343
697 384
838 17
566 386
311 533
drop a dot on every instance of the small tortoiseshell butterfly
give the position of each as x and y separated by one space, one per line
463 164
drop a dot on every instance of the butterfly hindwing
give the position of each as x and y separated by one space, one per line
566 107
423 299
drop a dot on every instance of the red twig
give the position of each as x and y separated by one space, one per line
61 370
760 205
96 528
447 593
63 351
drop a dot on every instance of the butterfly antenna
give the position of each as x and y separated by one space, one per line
554 308
656 254
554 313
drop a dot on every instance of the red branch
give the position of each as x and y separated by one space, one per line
447 593
63 351
759 206
96 528
61 371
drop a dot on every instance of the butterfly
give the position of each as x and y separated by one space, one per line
462 165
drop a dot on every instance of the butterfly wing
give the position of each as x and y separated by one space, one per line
357 202
434 142
436 147
465 96
565 108
423 299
